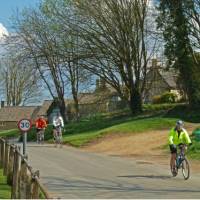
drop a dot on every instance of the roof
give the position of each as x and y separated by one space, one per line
14 114
45 106
170 77
96 97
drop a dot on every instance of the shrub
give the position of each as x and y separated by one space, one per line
167 97
157 99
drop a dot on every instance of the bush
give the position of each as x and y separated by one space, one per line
167 97
157 99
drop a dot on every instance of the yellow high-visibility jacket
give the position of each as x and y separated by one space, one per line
183 137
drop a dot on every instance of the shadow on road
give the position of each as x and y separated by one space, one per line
100 184
146 176
68 186
42 145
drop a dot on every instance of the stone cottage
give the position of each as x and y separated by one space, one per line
159 81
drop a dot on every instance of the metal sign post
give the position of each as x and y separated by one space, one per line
24 125
24 142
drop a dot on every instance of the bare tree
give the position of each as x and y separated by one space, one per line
53 50
69 50
118 44
19 82
38 43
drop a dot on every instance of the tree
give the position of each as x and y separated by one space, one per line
118 43
69 49
53 50
174 22
193 16
19 82
38 43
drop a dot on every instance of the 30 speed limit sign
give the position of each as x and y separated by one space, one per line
24 125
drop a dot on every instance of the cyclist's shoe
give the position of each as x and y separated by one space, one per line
174 172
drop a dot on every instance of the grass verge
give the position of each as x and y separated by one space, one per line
5 190
131 126
89 129
10 133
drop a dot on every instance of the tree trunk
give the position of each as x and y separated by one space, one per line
135 101
62 108
76 105
190 76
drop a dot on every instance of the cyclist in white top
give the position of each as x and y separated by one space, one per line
58 124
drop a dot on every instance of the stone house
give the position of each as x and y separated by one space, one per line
103 99
159 81
9 116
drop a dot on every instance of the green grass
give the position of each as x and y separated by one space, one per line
10 133
91 128
194 150
160 107
130 126
5 190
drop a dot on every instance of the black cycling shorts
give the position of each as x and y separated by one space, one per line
38 130
56 127
173 148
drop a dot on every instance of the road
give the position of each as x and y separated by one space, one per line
72 173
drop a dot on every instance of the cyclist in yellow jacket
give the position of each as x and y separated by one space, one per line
177 136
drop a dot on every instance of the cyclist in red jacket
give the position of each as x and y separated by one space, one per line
40 125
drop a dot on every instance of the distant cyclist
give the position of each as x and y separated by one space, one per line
40 125
177 136
58 124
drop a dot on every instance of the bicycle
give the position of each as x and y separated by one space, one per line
58 136
181 163
40 136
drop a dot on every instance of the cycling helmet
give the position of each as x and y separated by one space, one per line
179 123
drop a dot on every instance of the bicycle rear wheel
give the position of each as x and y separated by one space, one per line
38 138
185 169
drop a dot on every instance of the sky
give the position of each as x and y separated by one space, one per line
9 7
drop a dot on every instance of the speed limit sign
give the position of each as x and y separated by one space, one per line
24 125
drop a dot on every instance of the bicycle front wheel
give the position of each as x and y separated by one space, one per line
185 169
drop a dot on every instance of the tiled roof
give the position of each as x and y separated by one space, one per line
170 77
45 106
14 114
97 97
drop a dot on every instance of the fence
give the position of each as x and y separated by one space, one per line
20 175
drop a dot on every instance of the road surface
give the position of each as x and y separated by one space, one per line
72 173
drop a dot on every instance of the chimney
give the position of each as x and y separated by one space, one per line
102 83
97 84
2 104
154 63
